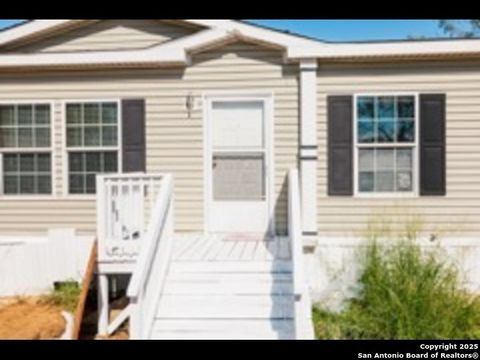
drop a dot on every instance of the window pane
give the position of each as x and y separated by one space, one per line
10 163
74 114
109 136
109 113
27 184
110 162
92 113
76 163
74 137
238 124
92 136
7 116
8 138
385 181
43 163
42 137
404 159
25 115
10 185
27 163
404 181
27 174
44 185
366 162
406 131
366 132
386 108
386 132
91 184
366 182
406 107
25 137
84 168
366 108
386 120
385 159
42 114
76 184
93 162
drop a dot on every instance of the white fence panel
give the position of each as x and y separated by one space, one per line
31 266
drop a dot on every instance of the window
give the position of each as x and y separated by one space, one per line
25 149
92 143
386 144
27 174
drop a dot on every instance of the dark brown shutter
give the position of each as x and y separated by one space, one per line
340 145
133 122
433 145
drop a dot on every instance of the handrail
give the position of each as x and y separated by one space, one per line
295 231
154 258
303 311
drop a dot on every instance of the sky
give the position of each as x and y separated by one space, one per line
345 30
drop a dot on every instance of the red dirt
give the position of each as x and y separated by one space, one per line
30 319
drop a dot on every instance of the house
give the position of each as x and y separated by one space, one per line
196 129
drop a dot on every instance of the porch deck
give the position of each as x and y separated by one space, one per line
230 248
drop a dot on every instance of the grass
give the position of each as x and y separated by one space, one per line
65 295
406 294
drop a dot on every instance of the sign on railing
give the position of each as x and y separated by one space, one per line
124 204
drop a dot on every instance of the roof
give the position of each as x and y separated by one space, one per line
216 33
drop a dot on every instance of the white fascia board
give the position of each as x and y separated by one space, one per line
28 29
273 37
198 40
414 48
93 58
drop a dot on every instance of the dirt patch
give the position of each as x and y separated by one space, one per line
30 319
121 334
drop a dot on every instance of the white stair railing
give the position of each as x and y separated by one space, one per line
124 206
303 305
148 279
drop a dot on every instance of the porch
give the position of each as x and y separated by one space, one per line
196 286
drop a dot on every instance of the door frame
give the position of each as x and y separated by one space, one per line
268 100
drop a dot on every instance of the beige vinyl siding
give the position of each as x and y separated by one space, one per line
458 212
174 140
111 35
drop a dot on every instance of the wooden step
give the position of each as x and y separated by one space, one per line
263 278
219 287
231 267
223 330
226 307
223 325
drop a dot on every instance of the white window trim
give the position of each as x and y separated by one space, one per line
46 150
66 150
416 150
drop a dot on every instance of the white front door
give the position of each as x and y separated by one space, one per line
238 165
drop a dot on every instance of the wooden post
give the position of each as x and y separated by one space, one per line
89 273
103 305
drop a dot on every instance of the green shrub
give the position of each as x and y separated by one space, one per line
65 295
405 294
